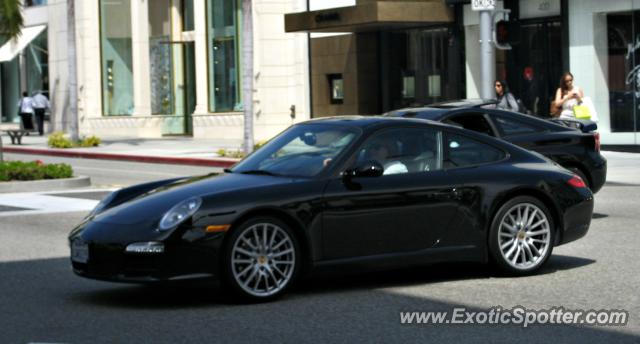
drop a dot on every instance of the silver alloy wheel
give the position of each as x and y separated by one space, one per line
524 236
263 259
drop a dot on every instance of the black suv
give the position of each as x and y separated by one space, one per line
571 143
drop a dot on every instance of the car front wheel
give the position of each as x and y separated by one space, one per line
261 259
521 235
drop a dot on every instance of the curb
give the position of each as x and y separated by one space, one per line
45 184
125 157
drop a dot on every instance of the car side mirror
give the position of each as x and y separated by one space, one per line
369 169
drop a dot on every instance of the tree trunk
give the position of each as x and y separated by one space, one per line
247 74
72 117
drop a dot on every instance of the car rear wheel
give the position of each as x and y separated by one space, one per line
261 259
521 235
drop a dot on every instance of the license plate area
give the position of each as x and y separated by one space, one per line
79 251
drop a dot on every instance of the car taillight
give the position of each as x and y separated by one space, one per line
576 182
596 138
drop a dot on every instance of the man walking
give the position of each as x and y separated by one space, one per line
40 105
25 106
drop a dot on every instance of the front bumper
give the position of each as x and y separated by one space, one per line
183 258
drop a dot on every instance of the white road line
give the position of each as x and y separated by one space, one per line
120 170
44 203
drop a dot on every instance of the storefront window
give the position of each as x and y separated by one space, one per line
29 3
161 67
187 15
222 38
117 75
37 64
9 89
623 41
422 67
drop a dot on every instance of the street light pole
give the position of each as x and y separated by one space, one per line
487 56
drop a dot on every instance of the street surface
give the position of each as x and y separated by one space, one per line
43 301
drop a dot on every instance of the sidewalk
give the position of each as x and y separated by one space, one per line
169 150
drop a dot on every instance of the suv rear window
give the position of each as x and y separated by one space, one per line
510 127
475 122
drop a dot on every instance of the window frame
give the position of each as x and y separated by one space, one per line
446 150
103 67
211 103
351 161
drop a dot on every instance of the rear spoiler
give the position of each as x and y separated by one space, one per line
585 126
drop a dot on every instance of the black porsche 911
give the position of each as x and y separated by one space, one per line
573 144
363 192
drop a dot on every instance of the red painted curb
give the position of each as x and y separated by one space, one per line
124 157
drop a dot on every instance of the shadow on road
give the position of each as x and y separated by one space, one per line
598 216
44 301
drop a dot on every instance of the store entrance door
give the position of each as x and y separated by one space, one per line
536 64
180 122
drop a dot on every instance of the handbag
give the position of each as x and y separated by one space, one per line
581 111
586 101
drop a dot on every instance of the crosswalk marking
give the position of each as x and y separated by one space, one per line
45 203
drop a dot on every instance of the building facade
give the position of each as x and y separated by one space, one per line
395 53
151 68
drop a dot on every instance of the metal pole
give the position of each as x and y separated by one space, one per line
487 57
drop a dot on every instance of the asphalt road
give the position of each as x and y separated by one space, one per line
43 301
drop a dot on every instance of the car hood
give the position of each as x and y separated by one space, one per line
151 206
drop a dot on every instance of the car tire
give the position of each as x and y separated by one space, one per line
581 175
261 259
521 237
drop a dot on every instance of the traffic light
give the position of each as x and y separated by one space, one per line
506 34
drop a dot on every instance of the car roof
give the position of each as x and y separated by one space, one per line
371 121
437 113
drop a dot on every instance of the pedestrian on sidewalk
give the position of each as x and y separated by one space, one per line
25 108
567 96
506 100
40 106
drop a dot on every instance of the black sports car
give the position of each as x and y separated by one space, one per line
367 192
573 144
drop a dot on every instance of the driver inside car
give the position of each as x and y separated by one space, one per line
384 151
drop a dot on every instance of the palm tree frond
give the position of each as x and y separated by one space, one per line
11 20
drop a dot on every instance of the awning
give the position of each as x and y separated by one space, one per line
371 15
14 46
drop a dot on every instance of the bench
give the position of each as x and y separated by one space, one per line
27 126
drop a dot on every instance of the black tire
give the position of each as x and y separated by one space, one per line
581 175
267 263
503 252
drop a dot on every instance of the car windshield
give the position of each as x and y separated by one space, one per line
300 151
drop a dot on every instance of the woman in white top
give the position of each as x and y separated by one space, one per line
568 96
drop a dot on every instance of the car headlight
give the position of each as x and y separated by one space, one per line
179 213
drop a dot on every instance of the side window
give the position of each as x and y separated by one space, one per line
511 127
461 151
403 150
476 122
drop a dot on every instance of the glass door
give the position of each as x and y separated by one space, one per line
535 65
